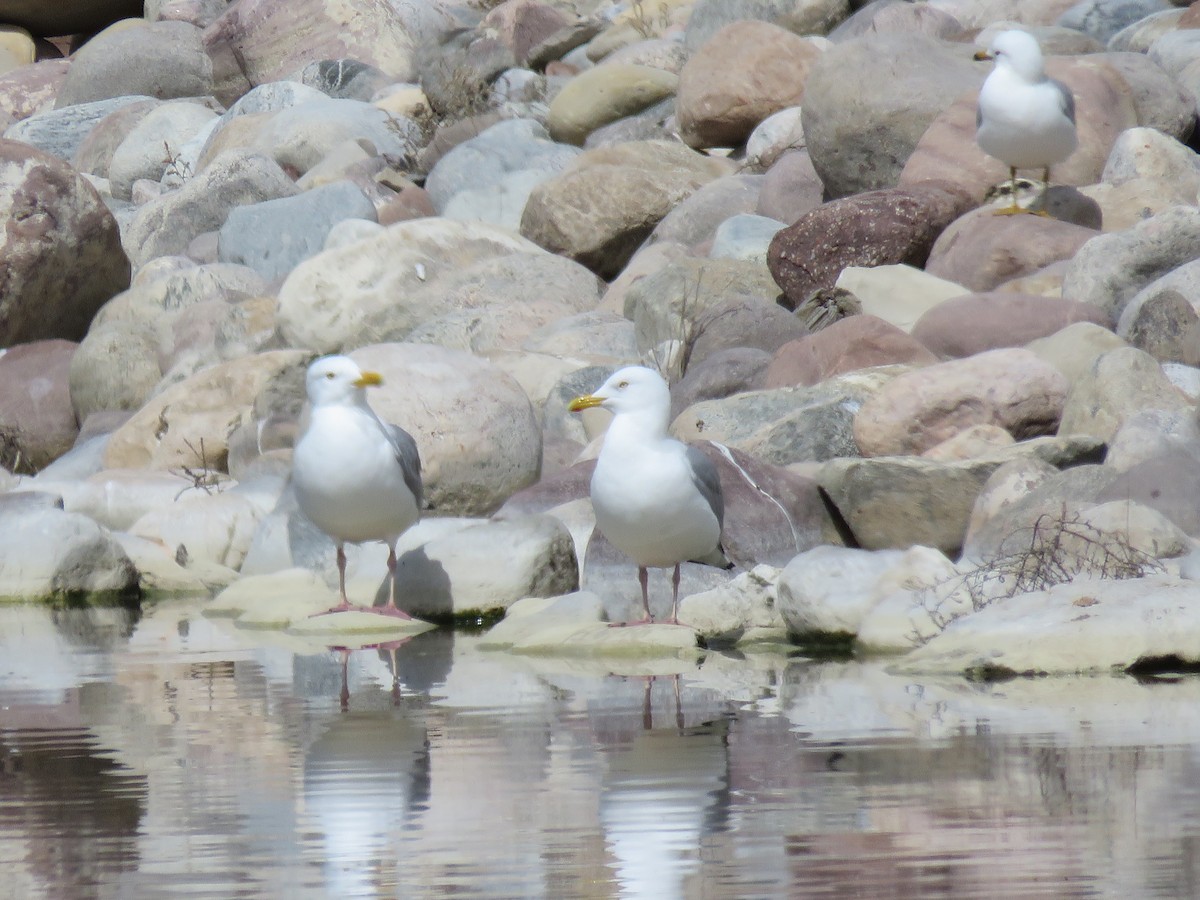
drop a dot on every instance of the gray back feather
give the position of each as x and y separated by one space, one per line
707 481
408 457
1066 99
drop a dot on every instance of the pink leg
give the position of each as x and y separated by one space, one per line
345 604
390 608
674 619
646 619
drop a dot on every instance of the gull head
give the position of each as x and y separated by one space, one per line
338 379
1018 51
634 389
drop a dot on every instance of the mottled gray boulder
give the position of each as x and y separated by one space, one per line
806 17
148 149
1119 384
60 132
159 59
1161 102
168 224
720 374
1102 19
49 554
115 368
274 236
859 140
1110 269
61 248
697 218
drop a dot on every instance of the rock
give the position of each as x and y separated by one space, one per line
744 237
741 611
745 72
1089 625
37 421
779 133
981 251
898 294
853 343
896 225
61 248
213 528
887 17
487 567
947 149
50 554
1150 435
1008 485
384 286
274 236
60 132
654 123
971 443
31 89
1148 153
523 24
94 153
599 336
1102 19
697 218
603 95
1144 482
601 208
149 147
1164 324
478 436
1011 388
157 59
859 142
167 225
791 188
1120 383
1075 348
1161 102
1110 268
116 498
720 374
160 576
785 425
811 17
114 368
188 424
511 151
967 325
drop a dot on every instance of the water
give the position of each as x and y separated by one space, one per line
167 755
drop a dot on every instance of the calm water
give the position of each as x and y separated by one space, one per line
168 755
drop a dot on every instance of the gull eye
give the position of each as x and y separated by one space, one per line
329 375
622 385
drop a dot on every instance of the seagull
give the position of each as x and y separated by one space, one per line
1025 119
356 477
656 499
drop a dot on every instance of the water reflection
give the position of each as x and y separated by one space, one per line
171 753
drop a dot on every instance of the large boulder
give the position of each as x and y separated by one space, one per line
37 421
61 248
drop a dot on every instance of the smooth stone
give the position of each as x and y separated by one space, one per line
744 237
696 220
60 132
37 420
1074 349
898 294
603 95
50 553
741 612
848 345
159 574
150 147
964 326
1120 383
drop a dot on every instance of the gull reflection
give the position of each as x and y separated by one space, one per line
662 793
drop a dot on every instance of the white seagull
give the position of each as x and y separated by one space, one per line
656 499
356 477
1025 119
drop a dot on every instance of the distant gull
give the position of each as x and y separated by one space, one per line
656 499
356 477
1025 119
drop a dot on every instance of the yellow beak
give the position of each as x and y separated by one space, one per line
981 55
585 402
369 379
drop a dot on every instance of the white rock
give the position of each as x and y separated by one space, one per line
743 610
898 294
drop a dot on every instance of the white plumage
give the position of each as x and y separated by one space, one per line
1025 119
655 498
356 477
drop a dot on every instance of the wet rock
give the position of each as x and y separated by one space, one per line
1119 384
896 225
967 325
745 72
61 248
1011 388
853 343
37 421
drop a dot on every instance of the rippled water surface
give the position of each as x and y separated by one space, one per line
164 754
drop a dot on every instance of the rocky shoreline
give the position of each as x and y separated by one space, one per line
967 440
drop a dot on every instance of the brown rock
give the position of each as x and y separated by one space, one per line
60 245
725 372
742 74
974 323
523 24
894 225
982 250
32 88
1104 108
410 202
856 342
1011 388
37 421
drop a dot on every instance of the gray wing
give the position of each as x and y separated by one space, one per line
1066 99
707 481
408 457
978 116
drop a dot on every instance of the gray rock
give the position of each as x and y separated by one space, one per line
829 591
274 236
744 237
1110 269
1102 19
167 225
1160 100
60 132
344 79
811 17
1120 384
52 554
152 145
159 59
720 374
115 367
697 218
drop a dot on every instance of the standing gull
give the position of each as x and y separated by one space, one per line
656 499
356 477
1025 119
